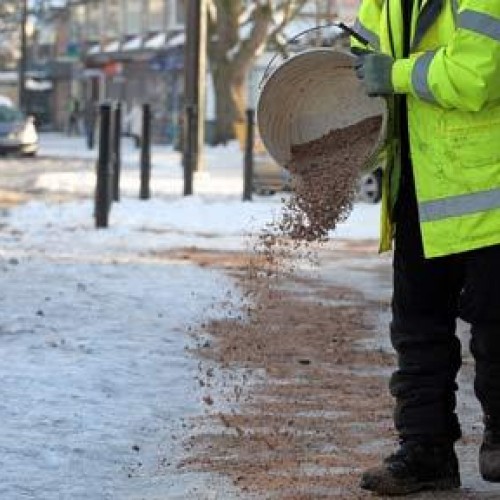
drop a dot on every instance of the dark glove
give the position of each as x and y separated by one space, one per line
375 72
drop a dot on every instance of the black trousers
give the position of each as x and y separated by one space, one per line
428 297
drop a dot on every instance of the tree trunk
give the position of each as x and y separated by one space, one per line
231 55
231 98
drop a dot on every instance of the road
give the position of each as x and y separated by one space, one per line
19 177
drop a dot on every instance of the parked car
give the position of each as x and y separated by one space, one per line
6 101
370 186
269 178
17 132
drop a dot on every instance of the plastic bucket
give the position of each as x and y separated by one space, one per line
309 95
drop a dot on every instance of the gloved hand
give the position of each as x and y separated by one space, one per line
375 72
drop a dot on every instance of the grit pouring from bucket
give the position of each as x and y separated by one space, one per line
316 120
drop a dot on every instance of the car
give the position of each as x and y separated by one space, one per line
17 132
269 178
370 186
6 101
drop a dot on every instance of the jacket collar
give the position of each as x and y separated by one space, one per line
428 14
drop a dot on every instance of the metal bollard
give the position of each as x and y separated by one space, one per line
117 156
249 160
103 181
145 192
188 151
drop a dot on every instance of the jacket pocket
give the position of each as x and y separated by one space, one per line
472 140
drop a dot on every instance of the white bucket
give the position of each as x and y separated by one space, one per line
309 95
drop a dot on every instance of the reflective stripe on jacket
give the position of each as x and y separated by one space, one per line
452 83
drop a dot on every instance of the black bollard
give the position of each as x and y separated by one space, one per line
188 151
103 181
117 156
248 166
145 192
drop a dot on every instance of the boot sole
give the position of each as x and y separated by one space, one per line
396 489
491 478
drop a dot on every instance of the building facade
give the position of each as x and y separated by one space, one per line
133 51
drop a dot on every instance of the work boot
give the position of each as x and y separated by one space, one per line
414 467
489 453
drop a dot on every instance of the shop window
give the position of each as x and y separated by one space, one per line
181 12
176 14
133 16
112 16
94 17
156 15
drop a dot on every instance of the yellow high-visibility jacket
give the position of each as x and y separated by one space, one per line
452 83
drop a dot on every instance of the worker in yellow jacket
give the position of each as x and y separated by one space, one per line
438 63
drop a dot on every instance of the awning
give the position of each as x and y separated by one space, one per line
156 42
135 43
38 85
176 40
94 49
113 46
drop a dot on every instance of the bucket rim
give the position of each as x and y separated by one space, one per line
306 52
381 142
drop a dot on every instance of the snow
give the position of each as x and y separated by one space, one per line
216 207
93 365
96 381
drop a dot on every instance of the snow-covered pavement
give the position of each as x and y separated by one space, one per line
96 381
222 168
95 378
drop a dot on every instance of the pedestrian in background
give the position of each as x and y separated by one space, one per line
90 119
73 116
133 123
438 63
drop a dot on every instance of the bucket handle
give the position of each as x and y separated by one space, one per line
346 30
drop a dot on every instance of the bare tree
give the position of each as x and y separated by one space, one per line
9 29
10 21
239 31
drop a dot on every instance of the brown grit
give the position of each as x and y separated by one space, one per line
326 171
325 177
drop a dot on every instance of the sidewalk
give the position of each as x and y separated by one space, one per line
222 174
97 383
300 401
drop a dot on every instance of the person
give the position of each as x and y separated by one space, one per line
90 119
73 116
134 123
437 62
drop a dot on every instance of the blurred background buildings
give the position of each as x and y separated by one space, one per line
127 50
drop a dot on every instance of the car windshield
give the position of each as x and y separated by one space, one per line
9 115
